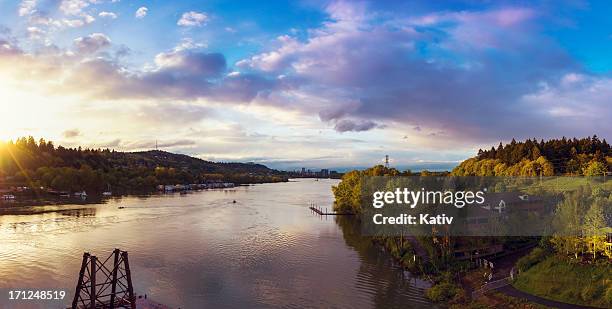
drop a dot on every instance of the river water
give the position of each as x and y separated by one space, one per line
201 250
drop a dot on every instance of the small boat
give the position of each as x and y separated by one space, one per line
82 194
108 191
8 197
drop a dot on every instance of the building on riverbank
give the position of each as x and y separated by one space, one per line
195 186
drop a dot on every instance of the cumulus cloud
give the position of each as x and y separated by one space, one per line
192 19
27 7
477 75
105 14
471 83
91 43
177 74
141 12
35 33
73 7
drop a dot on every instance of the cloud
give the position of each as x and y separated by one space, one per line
497 28
109 144
466 74
346 125
73 7
173 113
141 12
91 43
177 74
192 19
27 7
35 33
72 133
177 143
577 103
105 14
151 144
73 23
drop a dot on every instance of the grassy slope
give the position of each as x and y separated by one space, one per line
559 280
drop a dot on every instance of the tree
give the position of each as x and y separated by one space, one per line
545 167
595 168
593 227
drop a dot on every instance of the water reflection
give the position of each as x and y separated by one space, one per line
387 281
201 250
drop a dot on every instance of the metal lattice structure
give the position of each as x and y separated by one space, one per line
103 285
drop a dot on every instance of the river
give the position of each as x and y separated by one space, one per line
201 250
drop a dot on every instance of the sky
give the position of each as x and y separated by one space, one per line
315 84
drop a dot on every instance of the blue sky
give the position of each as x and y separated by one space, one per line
332 84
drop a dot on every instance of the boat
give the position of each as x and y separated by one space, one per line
82 194
8 197
108 191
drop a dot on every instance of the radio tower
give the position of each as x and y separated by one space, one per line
100 286
387 161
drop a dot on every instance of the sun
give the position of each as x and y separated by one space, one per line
21 112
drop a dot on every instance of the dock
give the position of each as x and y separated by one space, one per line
323 212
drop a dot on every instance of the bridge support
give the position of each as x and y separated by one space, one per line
102 285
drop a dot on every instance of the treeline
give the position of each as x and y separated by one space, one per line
588 156
27 162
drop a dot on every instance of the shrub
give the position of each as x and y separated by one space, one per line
590 292
442 291
534 257
608 296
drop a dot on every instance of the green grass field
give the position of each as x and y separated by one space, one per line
570 183
560 280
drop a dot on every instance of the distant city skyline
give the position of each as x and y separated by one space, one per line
321 84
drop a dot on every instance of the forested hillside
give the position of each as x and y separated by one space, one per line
587 156
31 163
